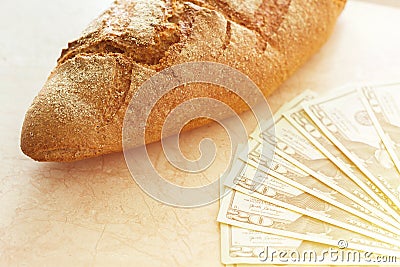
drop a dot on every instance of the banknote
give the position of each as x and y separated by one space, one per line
296 148
309 197
383 105
240 245
305 96
299 119
272 190
345 121
290 174
245 211
244 246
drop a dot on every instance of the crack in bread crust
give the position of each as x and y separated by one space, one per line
265 20
171 28
127 29
228 35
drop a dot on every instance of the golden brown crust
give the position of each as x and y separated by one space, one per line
80 110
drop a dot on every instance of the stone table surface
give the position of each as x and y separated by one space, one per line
91 213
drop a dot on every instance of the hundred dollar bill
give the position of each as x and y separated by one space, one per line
245 211
297 149
275 191
299 119
243 246
345 121
383 105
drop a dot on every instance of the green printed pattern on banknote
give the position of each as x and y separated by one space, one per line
346 122
277 192
306 126
245 211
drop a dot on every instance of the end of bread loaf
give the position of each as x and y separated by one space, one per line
74 116
79 112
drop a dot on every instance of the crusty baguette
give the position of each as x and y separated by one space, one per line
80 110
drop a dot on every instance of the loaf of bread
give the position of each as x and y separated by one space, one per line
79 112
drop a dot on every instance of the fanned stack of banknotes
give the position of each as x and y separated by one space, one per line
330 193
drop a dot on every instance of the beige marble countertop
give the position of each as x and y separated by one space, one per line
91 213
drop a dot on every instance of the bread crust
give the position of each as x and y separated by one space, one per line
80 110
